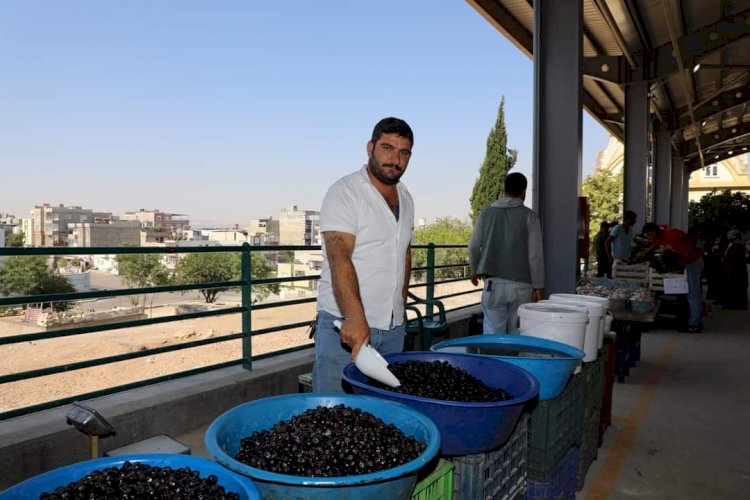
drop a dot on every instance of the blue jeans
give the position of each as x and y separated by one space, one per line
695 291
331 356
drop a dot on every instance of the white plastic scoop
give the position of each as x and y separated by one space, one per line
371 363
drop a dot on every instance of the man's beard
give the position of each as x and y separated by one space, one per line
379 172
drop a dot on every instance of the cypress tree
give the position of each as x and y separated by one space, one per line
498 160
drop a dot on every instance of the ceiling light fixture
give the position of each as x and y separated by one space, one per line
729 153
704 123
696 67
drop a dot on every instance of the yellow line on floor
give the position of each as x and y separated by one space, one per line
604 482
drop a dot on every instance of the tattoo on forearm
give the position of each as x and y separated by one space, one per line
334 239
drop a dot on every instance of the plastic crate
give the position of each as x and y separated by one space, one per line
555 427
562 483
605 414
593 385
305 382
589 449
438 485
499 474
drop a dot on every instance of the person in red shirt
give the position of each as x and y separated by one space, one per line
690 258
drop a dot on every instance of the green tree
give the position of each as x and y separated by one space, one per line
498 160
604 191
141 270
718 212
205 268
30 275
444 231
14 240
261 269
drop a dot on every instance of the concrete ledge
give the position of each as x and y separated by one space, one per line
33 444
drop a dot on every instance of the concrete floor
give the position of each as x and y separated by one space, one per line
680 421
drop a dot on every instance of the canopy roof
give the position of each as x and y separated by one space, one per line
695 54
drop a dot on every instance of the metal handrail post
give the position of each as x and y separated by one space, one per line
246 297
430 277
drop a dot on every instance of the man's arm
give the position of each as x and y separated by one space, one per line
536 256
475 250
339 249
608 246
407 274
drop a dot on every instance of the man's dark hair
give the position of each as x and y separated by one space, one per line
629 215
515 183
650 226
604 225
392 125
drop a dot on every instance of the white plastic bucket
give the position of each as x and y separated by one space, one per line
559 322
606 321
594 328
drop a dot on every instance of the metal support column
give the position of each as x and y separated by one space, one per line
662 175
676 208
558 62
685 200
635 171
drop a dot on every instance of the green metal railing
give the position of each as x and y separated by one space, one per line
246 308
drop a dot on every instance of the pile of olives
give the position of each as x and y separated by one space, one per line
138 481
441 380
329 442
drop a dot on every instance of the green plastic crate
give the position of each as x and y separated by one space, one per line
438 485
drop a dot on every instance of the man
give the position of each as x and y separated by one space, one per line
603 267
688 257
620 239
735 272
506 251
366 221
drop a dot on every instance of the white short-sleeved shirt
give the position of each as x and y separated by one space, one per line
353 205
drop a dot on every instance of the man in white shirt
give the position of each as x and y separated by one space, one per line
366 220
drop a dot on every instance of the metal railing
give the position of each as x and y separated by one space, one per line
246 284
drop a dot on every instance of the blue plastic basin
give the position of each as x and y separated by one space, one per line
34 487
465 428
552 373
225 433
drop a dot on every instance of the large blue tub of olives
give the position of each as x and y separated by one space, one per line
47 483
224 436
465 428
552 363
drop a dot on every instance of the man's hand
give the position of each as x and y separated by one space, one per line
537 294
474 279
355 333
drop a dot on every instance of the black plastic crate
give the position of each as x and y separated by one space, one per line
593 384
589 448
555 427
499 474
562 483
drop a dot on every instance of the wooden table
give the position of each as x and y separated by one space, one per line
628 326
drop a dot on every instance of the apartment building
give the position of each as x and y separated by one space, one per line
304 263
114 234
299 227
731 173
264 232
156 219
50 224
226 236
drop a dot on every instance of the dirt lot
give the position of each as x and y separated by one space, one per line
54 352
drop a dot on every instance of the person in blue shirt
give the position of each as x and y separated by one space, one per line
620 239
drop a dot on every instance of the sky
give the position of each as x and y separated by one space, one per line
231 110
